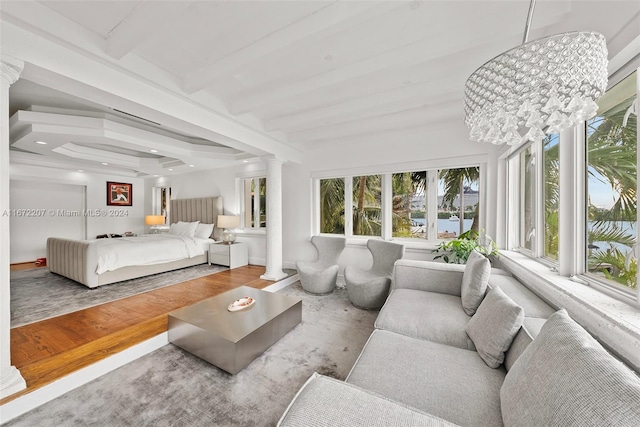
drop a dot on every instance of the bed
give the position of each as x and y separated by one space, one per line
84 260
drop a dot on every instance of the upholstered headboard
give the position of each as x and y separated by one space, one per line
203 209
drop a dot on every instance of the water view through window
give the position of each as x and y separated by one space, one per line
612 183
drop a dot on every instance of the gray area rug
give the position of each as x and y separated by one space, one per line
38 294
171 387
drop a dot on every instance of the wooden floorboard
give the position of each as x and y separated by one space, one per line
50 349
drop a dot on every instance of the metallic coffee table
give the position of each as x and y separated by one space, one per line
232 340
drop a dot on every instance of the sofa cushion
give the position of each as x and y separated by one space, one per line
324 401
528 331
565 377
474 282
448 382
532 304
494 325
426 315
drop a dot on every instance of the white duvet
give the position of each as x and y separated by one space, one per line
144 250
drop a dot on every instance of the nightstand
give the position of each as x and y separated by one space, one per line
234 255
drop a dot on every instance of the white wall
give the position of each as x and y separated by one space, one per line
112 219
37 213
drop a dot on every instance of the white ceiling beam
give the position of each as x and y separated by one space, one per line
372 125
396 58
145 20
378 103
319 24
43 21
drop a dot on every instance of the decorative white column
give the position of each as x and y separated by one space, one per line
274 220
10 379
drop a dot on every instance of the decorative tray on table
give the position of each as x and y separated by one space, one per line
241 304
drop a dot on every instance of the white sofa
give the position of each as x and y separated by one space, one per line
427 362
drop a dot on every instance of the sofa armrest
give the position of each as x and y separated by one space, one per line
324 401
428 276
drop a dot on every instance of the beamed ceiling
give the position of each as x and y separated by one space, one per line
298 74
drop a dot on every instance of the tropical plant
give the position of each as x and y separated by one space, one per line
367 211
454 181
457 251
332 206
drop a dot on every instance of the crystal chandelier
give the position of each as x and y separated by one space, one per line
538 88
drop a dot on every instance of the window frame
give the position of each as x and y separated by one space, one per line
244 202
572 253
431 167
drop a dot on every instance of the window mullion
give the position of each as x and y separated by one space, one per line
432 205
571 221
387 206
348 206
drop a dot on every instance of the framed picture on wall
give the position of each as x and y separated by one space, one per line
119 194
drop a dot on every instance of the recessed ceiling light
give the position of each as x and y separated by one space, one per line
156 176
192 166
153 151
106 164
170 169
245 161
41 142
80 170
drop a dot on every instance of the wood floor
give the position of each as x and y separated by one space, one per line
47 350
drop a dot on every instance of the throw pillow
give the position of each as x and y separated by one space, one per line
474 281
494 325
203 231
565 377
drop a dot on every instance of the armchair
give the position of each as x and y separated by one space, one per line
368 289
319 277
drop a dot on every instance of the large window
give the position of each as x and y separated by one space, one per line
255 202
409 205
405 205
458 198
551 195
611 186
367 205
332 205
599 210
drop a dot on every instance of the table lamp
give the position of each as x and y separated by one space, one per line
154 221
228 222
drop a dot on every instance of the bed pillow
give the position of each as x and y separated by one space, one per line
184 229
494 325
474 281
203 231
565 377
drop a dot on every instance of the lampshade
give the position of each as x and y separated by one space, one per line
538 88
154 219
228 221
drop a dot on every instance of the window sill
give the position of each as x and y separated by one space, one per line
252 232
615 323
410 245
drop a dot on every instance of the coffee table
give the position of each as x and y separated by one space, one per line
232 340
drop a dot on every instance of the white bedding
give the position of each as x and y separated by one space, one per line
146 250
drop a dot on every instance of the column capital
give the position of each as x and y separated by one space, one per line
10 68
272 159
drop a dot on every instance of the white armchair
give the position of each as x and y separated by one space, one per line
319 277
368 289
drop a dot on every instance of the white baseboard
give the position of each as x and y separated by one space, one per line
30 401
282 283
